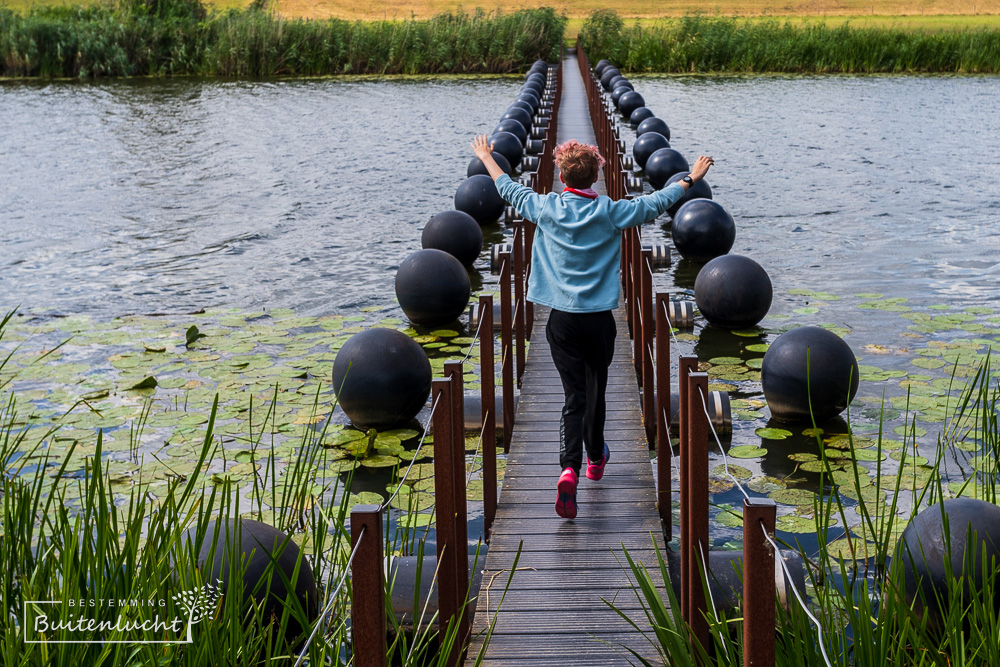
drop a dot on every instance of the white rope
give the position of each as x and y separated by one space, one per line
670 325
333 599
819 628
711 599
476 453
725 459
415 455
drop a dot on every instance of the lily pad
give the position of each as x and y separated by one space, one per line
772 433
747 452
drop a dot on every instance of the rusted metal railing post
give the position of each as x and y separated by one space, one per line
453 370
506 350
664 483
696 463
646 315
487 382
685 366
368 625
758 583
448 548
529 243
518 251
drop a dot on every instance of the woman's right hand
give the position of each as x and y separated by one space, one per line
700 167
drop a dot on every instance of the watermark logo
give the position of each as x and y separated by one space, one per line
45 619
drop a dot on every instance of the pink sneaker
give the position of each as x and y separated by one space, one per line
566 498
595 471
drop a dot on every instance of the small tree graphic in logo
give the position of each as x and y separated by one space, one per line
199 603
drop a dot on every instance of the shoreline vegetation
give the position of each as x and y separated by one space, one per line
189 38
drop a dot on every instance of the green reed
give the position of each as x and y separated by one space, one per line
862 592
114 541
699 43
178 37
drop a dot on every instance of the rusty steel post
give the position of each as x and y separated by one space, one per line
518 251
454 371
664 454
758 583
646 315
697 509
487 382
444 498
368 627
529 239
685 366
506 350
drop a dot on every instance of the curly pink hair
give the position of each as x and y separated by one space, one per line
578 163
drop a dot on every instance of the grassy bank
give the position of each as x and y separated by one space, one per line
709 44
180 37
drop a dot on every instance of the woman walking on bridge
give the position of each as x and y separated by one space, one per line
575 262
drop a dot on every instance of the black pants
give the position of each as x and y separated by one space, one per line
582 347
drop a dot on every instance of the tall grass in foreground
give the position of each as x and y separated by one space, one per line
118 540
725 44
177 37
865 616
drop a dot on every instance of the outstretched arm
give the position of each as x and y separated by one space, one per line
484 151
630 213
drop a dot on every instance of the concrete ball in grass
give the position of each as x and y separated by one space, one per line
733 292
808 373
382 377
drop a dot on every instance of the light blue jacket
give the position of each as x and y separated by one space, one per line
576 253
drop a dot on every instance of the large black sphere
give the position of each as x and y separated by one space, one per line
476 166
831 382
924 547
702 230
382 377
653 125
639 115
478 197
509 146
530 99
663 164
733 292
522 104
456 233
535 87
518 114
514 127
601 66
620 82
433 288
609 74
646 145
618 92
699 190
629 102
267 558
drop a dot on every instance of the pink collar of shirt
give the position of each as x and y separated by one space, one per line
589 193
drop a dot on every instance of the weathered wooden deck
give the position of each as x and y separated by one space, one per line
555 612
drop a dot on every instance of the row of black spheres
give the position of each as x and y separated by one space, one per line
382 377
733 291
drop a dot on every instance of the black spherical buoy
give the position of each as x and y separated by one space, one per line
522 104
639 115
653 125
700 190
703 230
536 87
925 547
733 291
509 146
629 102
663 164
831 381
267 558
382 376
620 81
514 127
478 197
518 114
601 66
529 98
456 233
476 166
433 288
646 145
609 74
618 92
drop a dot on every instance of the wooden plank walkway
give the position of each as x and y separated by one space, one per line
554 612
